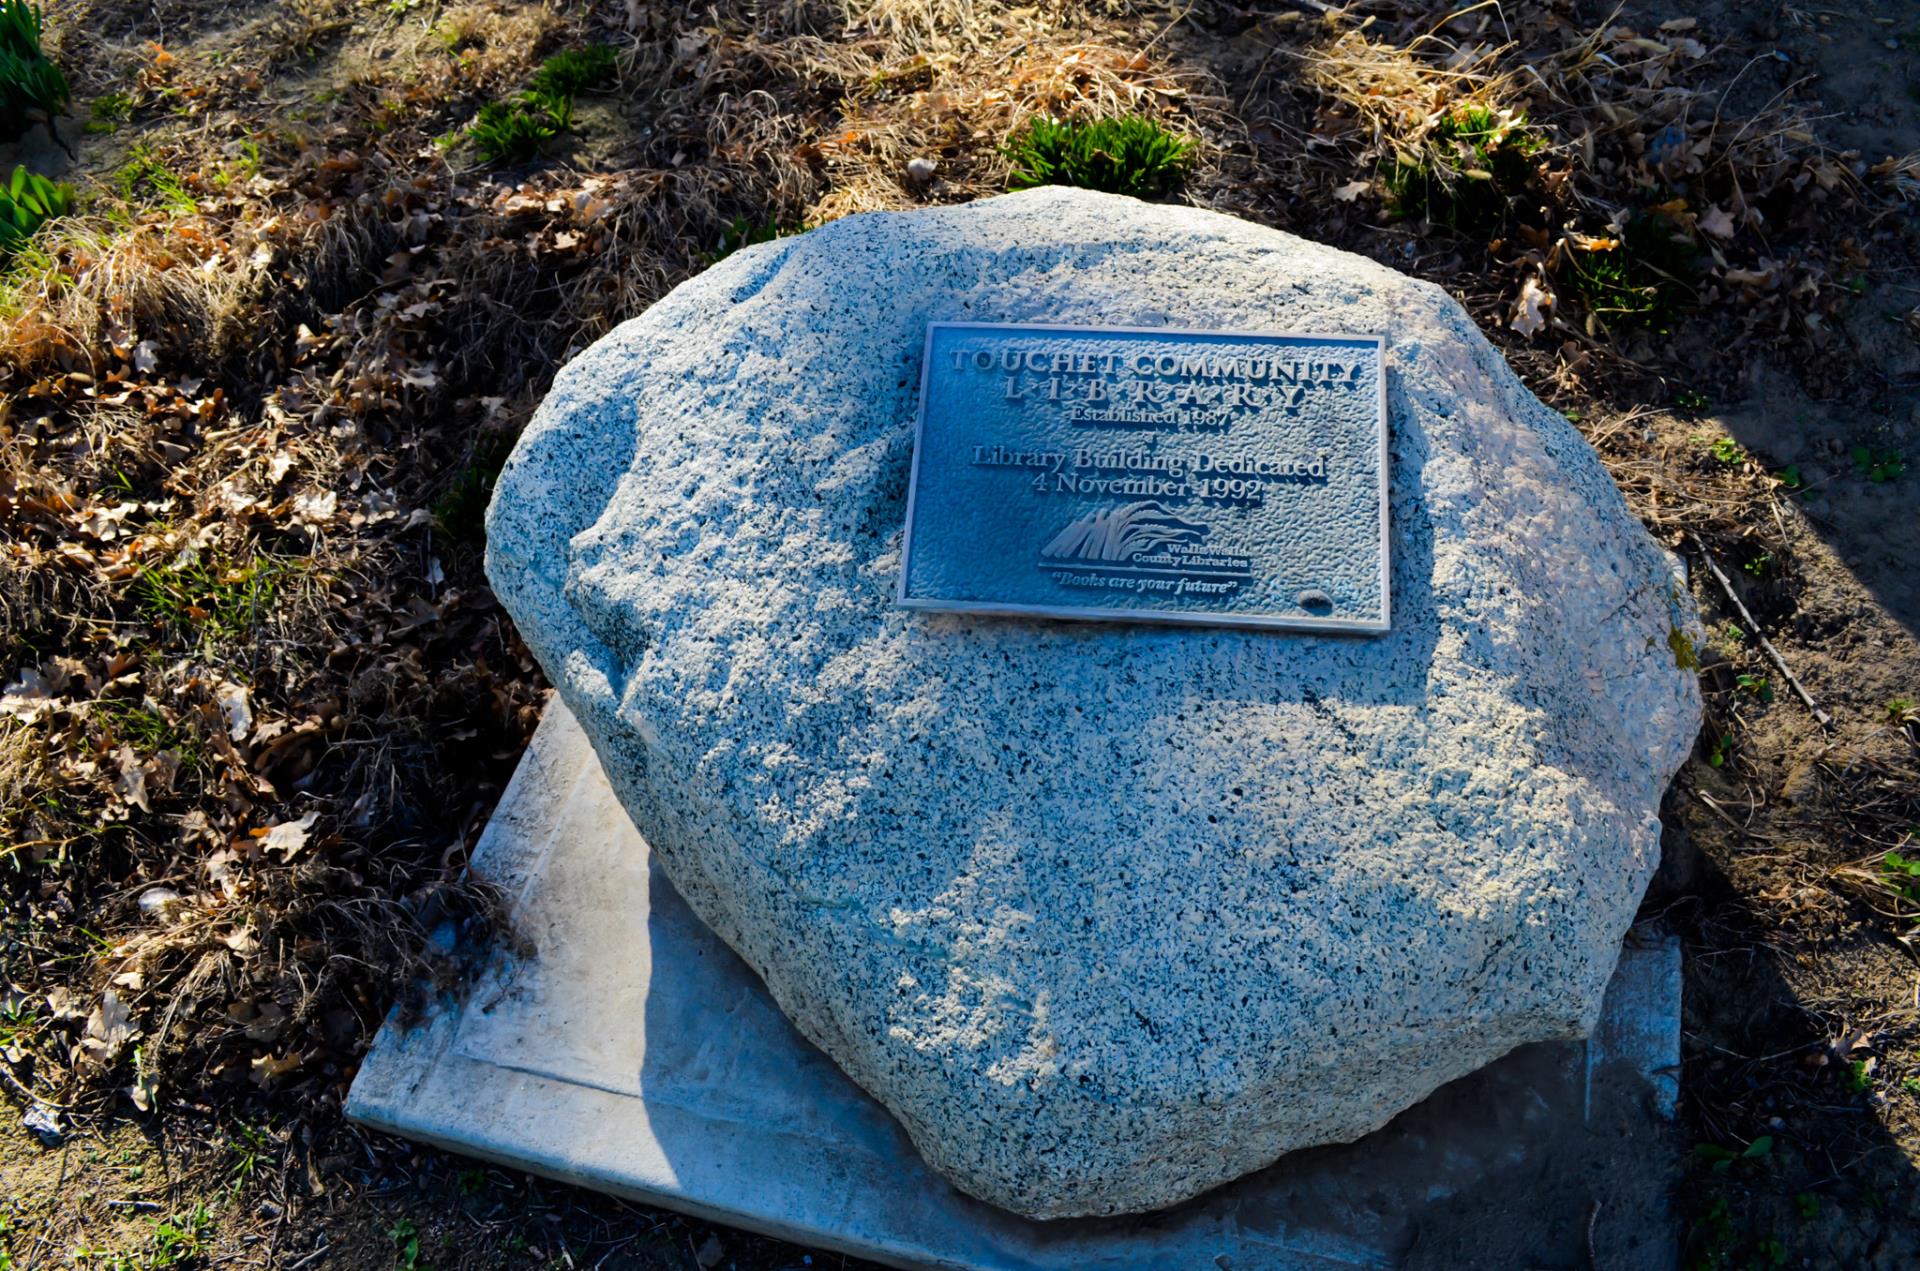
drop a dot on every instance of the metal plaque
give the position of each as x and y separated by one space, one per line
1222 478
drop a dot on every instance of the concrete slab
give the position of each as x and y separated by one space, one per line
631 1052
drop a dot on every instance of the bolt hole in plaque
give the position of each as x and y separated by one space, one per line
1219 478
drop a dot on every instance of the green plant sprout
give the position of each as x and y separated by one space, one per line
1475 162
461 512
1124 154
177 1240
1727 451
1878 466
244 168
222 601
1901 874
575 71
181 1237
28 201
250 1146
108 111
1638 278
146 178
406 1240
1724 1158
32 89
516 128
742 232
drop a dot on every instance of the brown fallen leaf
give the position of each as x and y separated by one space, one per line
145 1090
27 696
234 704
161 770
1749 277
1530 308
220 873
130 778
64 1005
268 1069
109 1029
315 508
1851 1040
263 1021
289 838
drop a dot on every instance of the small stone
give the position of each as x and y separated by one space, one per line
710 1252
1314 598
44 1124
920 171
1802 782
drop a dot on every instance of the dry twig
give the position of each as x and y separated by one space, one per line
1726 586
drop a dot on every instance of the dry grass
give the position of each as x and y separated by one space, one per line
93 278
1624 143
960 106
1400 93
919 28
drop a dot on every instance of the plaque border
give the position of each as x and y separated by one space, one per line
1160 617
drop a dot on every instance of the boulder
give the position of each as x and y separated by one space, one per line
1106 914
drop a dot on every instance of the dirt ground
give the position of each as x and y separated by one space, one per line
256 699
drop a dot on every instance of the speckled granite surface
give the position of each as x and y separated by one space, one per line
1104 914
614 1042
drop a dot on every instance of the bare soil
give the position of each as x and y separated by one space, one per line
258 699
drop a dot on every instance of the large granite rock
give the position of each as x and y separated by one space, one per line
1105 914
